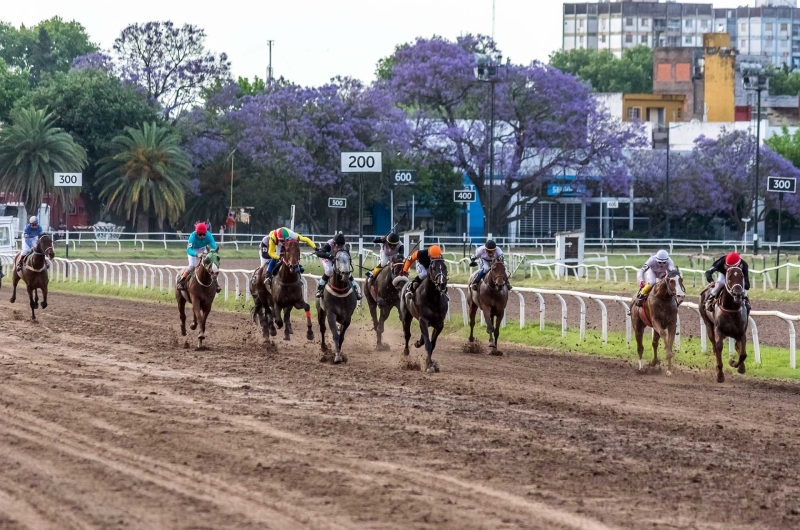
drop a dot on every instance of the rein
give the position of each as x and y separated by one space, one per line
206 268
42 253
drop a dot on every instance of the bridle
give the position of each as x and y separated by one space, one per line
667 278
207 264
494 275
736 291
440 278
286 244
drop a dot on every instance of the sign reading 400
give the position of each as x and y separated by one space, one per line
464 195
362 162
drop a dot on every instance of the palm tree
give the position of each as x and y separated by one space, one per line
146 176
31 151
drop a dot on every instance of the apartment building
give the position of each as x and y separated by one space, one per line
771 30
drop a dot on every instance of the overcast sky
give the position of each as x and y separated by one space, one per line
318 39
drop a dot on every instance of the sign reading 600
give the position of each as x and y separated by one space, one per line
404 177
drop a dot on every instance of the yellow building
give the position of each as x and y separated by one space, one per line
720 77
659 109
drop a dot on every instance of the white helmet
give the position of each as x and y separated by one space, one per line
662 256
33 220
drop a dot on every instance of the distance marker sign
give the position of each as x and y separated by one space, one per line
465 195
337 203
782 184
404 177
362 162
68 179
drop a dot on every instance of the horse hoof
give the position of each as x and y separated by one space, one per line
273 332
279 324
669 373
44 305
382 347
405 351
720 377
741 369
13 299
471 338
433 368
186 345
310 335
193 327
286 338
419 344
338 359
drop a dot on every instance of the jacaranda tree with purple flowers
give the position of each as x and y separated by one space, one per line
170 63
547 123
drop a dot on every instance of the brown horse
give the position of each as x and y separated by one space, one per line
34 273
381 293
729 318
262 308
660 312
428 303
201 289
491 298
337 304
286 290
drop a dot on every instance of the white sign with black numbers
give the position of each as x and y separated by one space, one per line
613 204
362 162
337 203
404 177
465 195
68 179
782 184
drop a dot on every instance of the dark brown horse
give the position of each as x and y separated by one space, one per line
337 304
381 293
262 308
428 304
729 318
660 312
34 273
286 290
491 298
201 289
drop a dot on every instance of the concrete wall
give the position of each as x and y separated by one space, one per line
683 135
720 78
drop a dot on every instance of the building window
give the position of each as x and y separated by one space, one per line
644 39
784 43
602 38
784 26
743 44
678 114
628 38
580 40
664 73
634 113
744 26
704 24
645 21
683 72
687 41
688 23
768 26
581 22
629 21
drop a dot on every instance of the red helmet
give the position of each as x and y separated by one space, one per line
733 260
201 229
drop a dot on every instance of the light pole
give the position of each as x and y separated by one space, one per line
755 76
486 70
745 220
669 223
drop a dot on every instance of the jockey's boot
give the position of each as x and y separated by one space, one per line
181 286
355 288
712 298
747 304
642 296
322 283
508 284
267 278
414 284
21 263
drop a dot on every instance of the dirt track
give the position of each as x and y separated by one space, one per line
107 422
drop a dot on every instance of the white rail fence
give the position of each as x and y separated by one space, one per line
234 283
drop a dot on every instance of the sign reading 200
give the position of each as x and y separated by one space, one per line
361 162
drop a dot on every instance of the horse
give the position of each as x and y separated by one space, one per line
337 304
34 273
660 312
381 293
286 290
262 308
728 318
491 298
428 304
201 289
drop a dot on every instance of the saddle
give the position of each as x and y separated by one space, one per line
644 313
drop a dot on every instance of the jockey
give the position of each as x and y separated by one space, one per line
325 254
654 269
486 253
200 240
391 247
721 266
30 237
273 243
423 259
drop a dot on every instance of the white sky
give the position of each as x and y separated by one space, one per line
318 39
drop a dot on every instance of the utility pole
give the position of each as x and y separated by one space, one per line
269 68
755 76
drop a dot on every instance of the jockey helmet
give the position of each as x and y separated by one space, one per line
733 260
435 252
393 238
282 233
662 256
201 229
33 220
339 239
490 245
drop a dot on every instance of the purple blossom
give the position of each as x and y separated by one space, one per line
95 61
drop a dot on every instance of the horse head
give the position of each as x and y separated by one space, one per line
211 263
438 274
497 273
342 264
734 283
674 286
45 246
291 255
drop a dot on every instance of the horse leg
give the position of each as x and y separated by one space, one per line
741 349
199 321
14 281
385 310
473 310
487 316
718 339
639 331
407 318
321 321
337 345
34 305
287 324
309 330
35 298
44 296
423 328
182 312
656 338
345 325
669 343
498 320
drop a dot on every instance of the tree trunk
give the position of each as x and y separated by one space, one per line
142 223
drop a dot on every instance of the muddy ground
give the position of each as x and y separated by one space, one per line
106 421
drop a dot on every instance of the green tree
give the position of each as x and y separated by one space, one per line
31 151
247 88
94 107
13 85
44 49
632 73
787 145
146 176
784 83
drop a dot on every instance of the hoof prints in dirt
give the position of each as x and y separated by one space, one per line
473 347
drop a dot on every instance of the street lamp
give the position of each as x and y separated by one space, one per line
486 70
745 220
755 76
669 224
